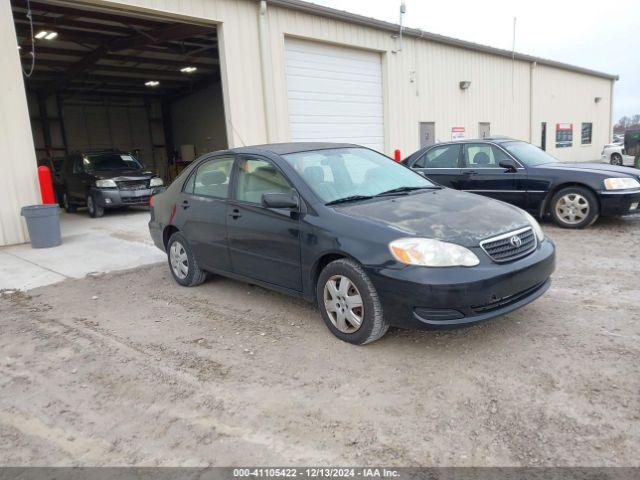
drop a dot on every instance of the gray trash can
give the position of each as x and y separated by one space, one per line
43 223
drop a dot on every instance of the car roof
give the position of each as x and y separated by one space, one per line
292 147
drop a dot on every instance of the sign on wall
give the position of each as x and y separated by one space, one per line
564 135
457 133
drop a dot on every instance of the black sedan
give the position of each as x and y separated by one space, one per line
373 243
573 194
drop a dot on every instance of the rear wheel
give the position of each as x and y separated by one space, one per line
182 262
616 159
95 210
349 303
66 203
574 207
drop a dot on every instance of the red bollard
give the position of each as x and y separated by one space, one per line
396 155
46 185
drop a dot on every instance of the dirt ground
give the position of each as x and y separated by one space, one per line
131 369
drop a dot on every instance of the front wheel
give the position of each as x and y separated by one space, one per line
616 159
349 303
95 210
574 207
182 263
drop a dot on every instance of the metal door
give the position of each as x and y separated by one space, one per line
427 134
484 129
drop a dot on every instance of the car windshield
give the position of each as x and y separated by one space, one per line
529 154
110 161
352 173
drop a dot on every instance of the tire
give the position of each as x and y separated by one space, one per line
95 210
574 207
616 159
67 205
194 275
372 322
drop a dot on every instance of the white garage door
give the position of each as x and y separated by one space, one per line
334 94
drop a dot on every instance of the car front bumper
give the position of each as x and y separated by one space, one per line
422 297
113 197
615 203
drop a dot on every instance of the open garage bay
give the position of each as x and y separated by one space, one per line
130 369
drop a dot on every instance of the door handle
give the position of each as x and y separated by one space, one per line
470 172
235 214
185 204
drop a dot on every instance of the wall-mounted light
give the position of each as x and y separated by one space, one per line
46 35
465 84
152 83
188 69
597 99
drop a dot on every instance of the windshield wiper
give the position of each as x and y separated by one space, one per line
350 198
405 190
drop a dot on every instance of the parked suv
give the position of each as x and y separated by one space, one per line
102 179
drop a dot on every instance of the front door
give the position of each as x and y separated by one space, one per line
427 134
264 243
441 164
78 182
483 174
204 203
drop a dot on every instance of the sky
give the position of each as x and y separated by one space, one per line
592 34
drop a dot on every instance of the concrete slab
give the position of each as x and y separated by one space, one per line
117 241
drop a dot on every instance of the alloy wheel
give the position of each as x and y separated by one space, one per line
179 260
572 208
343 304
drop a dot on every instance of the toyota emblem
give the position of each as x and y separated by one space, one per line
516 241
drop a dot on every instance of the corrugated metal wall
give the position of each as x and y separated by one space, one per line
420 83
18 160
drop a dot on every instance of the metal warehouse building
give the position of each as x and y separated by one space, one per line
173 79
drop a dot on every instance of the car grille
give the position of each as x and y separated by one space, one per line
133 184
136 200
505 301
510 246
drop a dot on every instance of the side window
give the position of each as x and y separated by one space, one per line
77 165
189 185
480 155
499 155
445 156
212 178
256 177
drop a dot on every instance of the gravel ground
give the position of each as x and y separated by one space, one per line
131 369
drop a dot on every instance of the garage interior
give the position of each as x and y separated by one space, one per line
113 80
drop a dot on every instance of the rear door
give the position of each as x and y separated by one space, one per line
441 164
203 212
483 174
264 243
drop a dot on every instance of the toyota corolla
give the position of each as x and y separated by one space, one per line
373 243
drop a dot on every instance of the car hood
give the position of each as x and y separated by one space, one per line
124 174
602 168
443 214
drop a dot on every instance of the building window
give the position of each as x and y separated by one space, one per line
586 133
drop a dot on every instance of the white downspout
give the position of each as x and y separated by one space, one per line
266 71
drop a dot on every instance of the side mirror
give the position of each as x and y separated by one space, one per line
280 200
509 165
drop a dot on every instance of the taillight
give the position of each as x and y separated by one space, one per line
151 201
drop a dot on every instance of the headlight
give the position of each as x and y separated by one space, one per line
535 225
621 183
431 253
156 182
105 184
